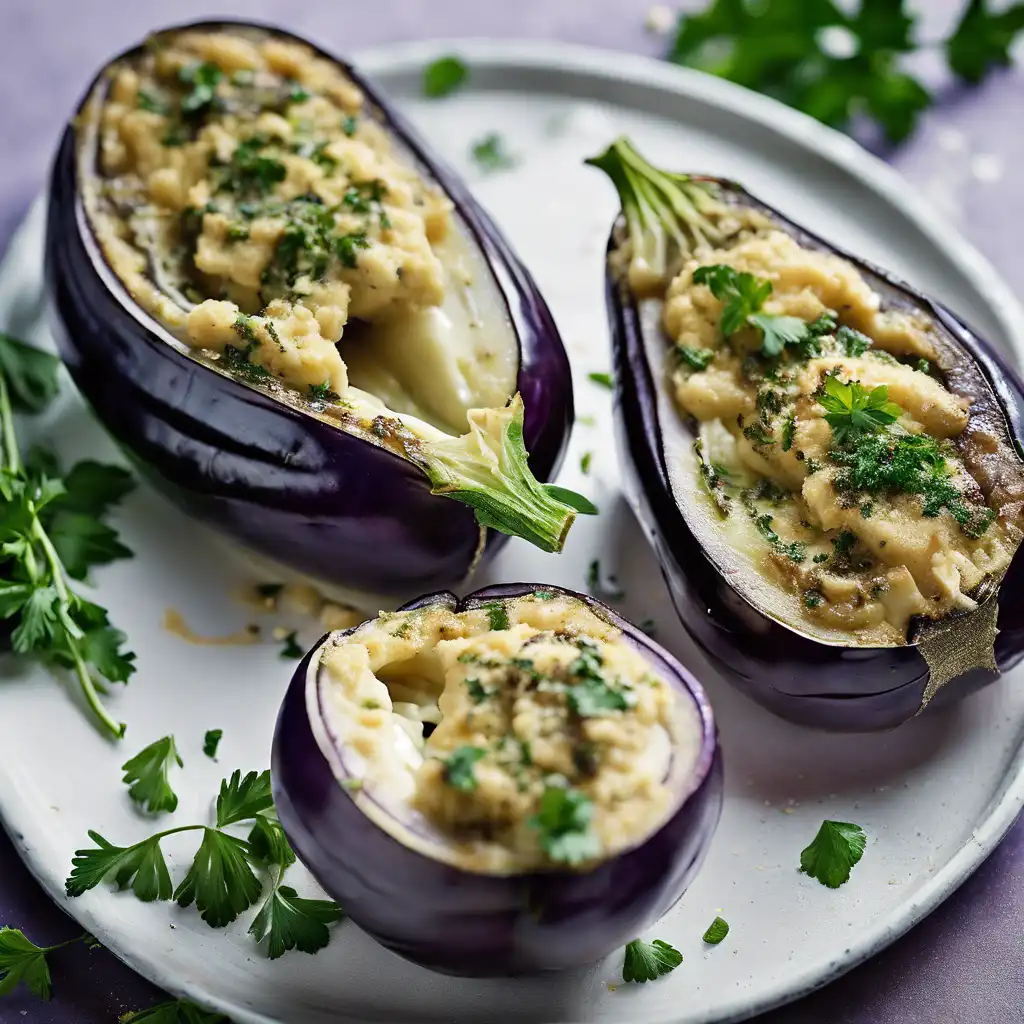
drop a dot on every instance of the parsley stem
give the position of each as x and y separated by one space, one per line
12 457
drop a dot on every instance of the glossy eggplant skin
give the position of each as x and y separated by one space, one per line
284 483
464 923
844 689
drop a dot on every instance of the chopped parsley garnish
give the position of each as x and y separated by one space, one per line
756 434
477 692
743 296
249 173
867 510
717 930
211 741
585 460
594 697
443 76
290 646
788 429
349 125
852 410
648 961
842 546
147 776
203 78
298 93
147 101
695 358
490 154
497 614
346 248
563 821
763 522
603 379
458 768
834 851
854 343
812 598
923 366
322 392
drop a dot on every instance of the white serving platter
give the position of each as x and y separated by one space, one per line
934 797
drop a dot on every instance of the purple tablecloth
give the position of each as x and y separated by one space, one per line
966 961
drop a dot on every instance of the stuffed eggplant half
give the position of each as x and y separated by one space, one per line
514 782
826 462
300 324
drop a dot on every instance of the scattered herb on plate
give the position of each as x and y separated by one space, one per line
490 153
717 930
833 852
52 532
211 741
648 961
290 645
177 1011
147 775
585 461
605 380
443 76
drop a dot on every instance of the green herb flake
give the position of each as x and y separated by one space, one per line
150 103
563 822
349 126
853 342
322 392
833 852
290 646
585 461
694 358
717 930
147 775
497 614
346 248
203 79
458 768
851 410
490 154
648 961
788 430
443 76
603 379
211 741
477 692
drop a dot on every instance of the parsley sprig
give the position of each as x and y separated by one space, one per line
833 852
781 48
222 881
563 821
176 1011
51 533
147 775
852 410
22 961
648 961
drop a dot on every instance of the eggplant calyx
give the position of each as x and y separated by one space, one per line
668 216
487 469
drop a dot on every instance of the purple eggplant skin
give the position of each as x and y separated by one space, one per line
832 687
464 923
279 480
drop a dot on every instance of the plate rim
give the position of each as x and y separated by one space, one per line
565 61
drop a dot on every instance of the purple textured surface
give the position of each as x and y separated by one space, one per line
966 961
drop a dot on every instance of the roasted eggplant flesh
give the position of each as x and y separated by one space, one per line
514 782
275 224
850 470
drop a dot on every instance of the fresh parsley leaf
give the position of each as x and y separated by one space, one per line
346 248
268 843
204 79
717 930
563 821
211 741
605 380
778 331
142 867
147 776
694 358
852 410
177 1011
243 798
288 921
490 153
788 430
322 392
833 852
290 647
497 614
30 373
854 343
443 76
594 697
982 40
93 488
648 961
21 960
743 294
220 881
458 768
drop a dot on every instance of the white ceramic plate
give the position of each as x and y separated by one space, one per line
934 797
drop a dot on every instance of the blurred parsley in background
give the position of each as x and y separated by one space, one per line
834 64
